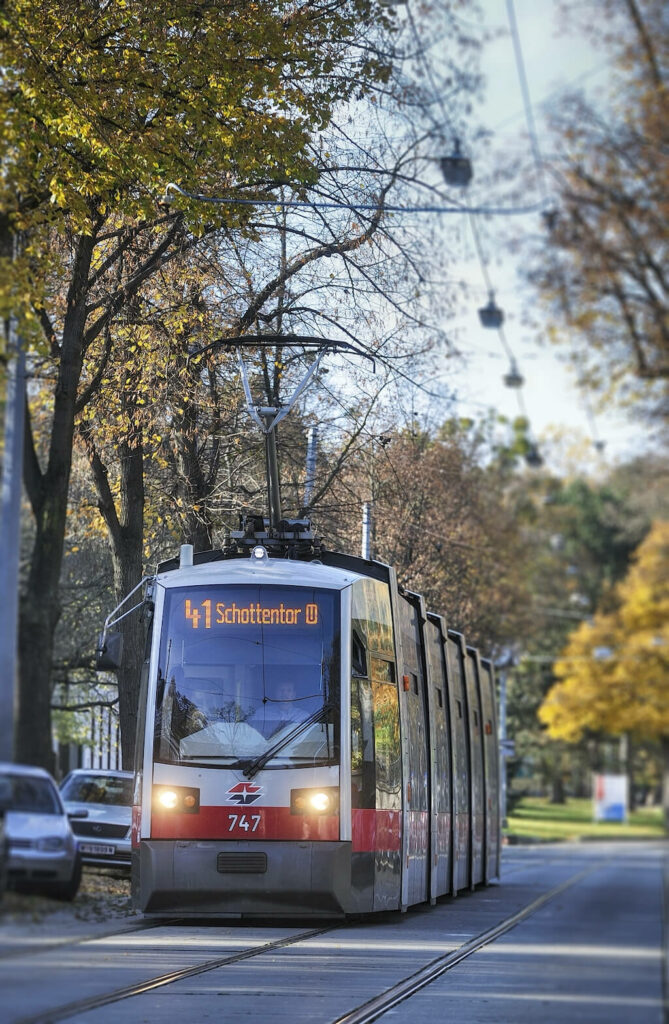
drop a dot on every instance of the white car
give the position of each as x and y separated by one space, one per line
99 801
41 848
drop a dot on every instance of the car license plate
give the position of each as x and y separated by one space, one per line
101 851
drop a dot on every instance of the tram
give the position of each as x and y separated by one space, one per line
313 740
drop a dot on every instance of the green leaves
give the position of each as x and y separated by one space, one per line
116 102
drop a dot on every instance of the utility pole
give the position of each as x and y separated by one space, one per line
502 744
507 747
367 530
10 535
312 450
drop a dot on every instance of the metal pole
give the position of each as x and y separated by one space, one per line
273 485
312 449
367 530
502 744
10 537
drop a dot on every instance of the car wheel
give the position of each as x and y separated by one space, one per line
68 890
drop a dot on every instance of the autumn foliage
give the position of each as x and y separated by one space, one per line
602 270
614 673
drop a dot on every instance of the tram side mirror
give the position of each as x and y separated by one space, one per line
109 652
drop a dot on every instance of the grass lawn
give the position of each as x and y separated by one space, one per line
536 818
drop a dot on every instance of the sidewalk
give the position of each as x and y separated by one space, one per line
101 905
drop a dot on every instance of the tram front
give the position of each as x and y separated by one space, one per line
240 768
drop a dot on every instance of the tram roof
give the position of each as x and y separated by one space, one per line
271 571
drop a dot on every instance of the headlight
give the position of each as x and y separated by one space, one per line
319 802
51 843
182 799
314 801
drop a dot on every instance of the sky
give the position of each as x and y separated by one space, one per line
552 61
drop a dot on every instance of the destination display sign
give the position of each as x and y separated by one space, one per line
209 614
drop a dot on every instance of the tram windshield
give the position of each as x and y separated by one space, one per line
241 667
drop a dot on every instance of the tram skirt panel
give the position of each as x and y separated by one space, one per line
206 877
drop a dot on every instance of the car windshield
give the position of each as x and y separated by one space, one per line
29 794
98 789
241 667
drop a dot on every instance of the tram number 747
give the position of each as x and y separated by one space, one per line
249 822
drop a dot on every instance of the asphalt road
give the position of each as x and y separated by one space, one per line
590 950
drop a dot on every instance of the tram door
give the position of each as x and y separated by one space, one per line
477 780
376 754
416 785
491 769
461 772
441 844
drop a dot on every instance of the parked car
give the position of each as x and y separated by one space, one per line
101 802
41 848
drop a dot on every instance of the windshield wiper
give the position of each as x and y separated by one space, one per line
259 762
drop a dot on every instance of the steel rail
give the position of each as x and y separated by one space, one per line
79 940
141 987
374 1008
363 1014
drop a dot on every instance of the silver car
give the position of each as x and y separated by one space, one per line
100 805
41 848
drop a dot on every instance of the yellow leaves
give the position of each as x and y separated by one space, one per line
106 102
57 192
614 673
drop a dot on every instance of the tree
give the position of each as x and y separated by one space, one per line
612 676
100 108
441 519
602 270
167 391
579 537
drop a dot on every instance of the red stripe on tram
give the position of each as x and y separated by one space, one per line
372 829
248 822
376 830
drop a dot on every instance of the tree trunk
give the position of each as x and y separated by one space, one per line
38 616
48 493
557 790
125 528
628 768
665 781
196 484
127 555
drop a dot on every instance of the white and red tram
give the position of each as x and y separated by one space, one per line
313 741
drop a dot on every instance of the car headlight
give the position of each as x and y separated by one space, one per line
323 800
51 843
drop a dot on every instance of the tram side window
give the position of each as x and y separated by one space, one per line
372 617
358 657
376 760
387 749
363 787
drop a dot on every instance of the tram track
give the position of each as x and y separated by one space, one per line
140 926
365 1013
68 1010
403 990
42 947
